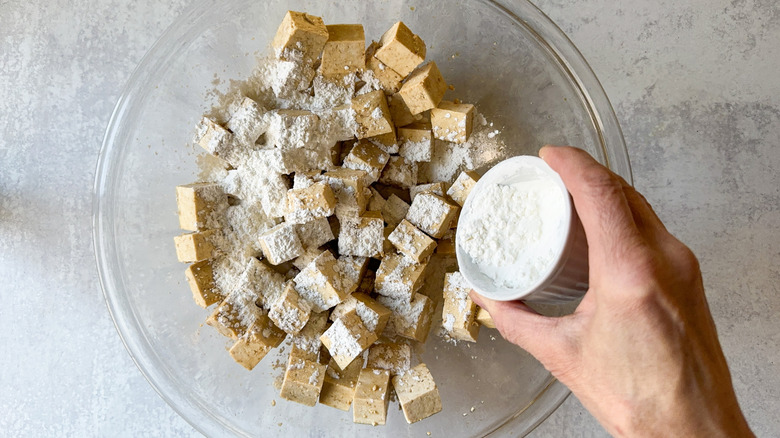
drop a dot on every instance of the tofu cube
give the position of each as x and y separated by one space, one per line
345 50
303 381
307 257
436 188
300 32
452 121
484 319
417 393
292 129
290 312
389 79
252 346
412 242
306 344
369 158
416 142
215 139
400 49
319 283
424 88
386 141
314 234
410 319
347 338
349 188
446 245
362 235
400 113
373 314
338 390
399 172
376 202
247 122
394 210
372 114
371 397
399 277
272 194
432 214
194 247
460 189
395 357
350 271
313 202
199 205
200 277
459 310
260 284
281 243
303 179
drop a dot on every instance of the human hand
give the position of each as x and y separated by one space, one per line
640 351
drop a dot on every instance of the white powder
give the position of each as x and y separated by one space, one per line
342 341
513 231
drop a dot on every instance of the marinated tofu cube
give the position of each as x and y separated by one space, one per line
369 158
416 144
394 210
200 205
281 243
347 338
412 242
432 214
452 122
410 319
459 310
424 88
401 114
371 397
252 346
386 141
350 270
376 202
338 390
349 188
395 357
290 312
462 186
194 247
372 114
417 393
436 188
319 283
216 140
306 344
303 381
484 318
399 172
362 235
388 78
345 50
247 122
400 49
200 277
300 32
399 277
373 314
292 129
314 234
313 202
308 256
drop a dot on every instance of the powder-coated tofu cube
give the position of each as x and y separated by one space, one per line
349 187
345 50
338 390
416 143
394 210
446 245
319 283
362 235
300 32
395 357
372 114
371 397
417 393
369 158
290 312
350 270
410 319
247 122
216 140
401 114
399 172
199 205
459 310
452 122
432 214
272 193
436 188
399 277
347 338
388 78
347 305
462 186
386 141
484 319
303 179
281 243
194 247
313 202
200 277
400 49
252 346
376 202
314 234
373 314
259 283
412 242
292 129
306 344
303 381
424 88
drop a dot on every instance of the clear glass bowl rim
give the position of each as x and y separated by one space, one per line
548 34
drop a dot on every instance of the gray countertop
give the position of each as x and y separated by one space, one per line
695 84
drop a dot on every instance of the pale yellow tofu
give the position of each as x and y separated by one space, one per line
303 381
373 314
281 243
400 49
401 114
300 32
312 235
247 122
350 270
460 189
290 312
410 319
416 142
345 50
215 139
347 338
319 283
452 121
371 397
252 346
412 242
310 203
399 172
369 158
199 205
399 277
349 187
306 344
362 235
386 141
459 311
436 188
388 78
395 357
484 319
194 247
200 277
338 390
376 202
372 114
417 393
394 210
424 88
432 214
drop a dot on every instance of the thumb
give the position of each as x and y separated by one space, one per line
525 327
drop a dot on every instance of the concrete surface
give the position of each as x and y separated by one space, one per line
695 85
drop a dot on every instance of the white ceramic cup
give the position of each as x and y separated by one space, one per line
566 277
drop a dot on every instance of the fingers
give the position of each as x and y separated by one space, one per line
600 200
521 325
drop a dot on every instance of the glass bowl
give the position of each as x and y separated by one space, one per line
504 56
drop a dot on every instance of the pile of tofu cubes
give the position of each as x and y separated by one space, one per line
339 274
